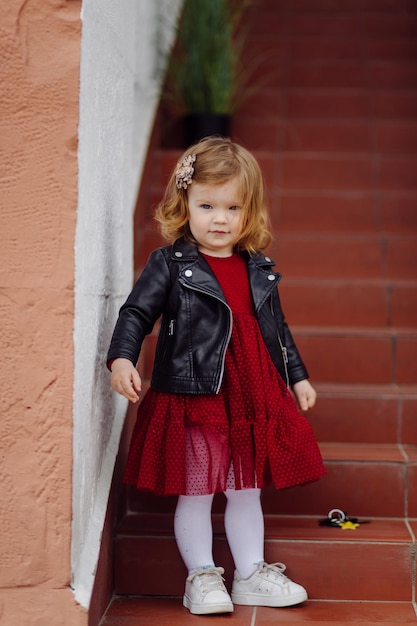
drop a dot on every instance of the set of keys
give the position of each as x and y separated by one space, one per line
339 519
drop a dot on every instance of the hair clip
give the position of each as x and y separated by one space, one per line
185 171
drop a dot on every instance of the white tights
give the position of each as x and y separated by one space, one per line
244 526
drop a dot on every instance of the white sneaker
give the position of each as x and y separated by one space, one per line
267 587
205 592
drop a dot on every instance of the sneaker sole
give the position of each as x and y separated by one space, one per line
207 609
255 599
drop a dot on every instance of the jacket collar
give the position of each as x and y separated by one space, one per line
182 250
262 278
260 260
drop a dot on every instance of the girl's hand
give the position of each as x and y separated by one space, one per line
305 394
125 379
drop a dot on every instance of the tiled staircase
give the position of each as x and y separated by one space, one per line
334 127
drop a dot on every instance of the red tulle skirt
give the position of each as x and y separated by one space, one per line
248 435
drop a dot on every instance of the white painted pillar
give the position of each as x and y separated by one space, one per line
122 61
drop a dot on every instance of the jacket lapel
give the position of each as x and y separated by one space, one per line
195 272
263 280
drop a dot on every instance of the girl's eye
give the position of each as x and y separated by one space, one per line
206 206
234 208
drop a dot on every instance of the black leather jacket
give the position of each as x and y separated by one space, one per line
196 323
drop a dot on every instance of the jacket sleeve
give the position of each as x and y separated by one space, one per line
141 310
296 369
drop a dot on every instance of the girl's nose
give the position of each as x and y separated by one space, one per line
220 216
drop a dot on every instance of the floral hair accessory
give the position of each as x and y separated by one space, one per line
185 172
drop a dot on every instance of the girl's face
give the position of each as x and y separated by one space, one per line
215 216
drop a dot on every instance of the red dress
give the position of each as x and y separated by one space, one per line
248 435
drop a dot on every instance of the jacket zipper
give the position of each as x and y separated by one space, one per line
284 351
208 293
171 327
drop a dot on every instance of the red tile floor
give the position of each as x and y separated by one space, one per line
169 611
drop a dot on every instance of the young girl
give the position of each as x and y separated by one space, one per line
219 415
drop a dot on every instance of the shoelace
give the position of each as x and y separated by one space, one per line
211 579
277 569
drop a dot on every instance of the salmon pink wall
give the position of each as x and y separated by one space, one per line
39 78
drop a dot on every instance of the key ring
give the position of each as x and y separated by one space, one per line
337 514
337 518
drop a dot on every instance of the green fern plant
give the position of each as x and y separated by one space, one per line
205 75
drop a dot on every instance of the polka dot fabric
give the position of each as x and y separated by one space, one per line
248 435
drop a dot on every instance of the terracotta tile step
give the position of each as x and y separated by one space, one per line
141 611
284 110
329 213
311 552
310 171
347 105
297 212
338 136
335 7
360 414
346 256
345 23
359 355
331 254
359 477
339 302
354 172
270 51
373 414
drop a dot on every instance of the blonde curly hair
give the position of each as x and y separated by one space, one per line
218 160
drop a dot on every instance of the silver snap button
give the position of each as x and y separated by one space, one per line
267 259
178 254
188 273
271 277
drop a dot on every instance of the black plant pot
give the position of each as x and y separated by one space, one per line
200 125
